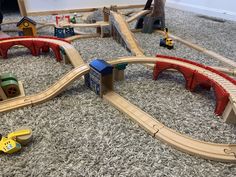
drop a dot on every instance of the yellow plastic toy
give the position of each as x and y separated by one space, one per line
12 142
167 41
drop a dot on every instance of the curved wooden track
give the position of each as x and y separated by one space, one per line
212 151
70 51
223 81
227 84
48 94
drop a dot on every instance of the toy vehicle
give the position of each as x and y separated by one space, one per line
9 86
73 19
167 41
12 142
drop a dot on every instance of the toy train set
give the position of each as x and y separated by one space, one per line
99 78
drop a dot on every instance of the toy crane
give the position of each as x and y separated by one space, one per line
13 141
167 41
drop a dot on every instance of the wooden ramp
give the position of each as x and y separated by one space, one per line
123 29
212 151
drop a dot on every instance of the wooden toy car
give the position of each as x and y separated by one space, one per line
9 86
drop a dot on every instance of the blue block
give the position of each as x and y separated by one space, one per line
102 67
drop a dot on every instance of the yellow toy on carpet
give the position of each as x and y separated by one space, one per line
13 141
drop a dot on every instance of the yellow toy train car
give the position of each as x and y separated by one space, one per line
12 142
167 41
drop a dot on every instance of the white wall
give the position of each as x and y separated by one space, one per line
51 5
217 8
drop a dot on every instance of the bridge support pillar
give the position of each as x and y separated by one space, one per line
162 66
56 50
229 115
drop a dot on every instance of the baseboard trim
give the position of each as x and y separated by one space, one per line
202 10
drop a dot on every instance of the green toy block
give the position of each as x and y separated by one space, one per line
121 66
8 76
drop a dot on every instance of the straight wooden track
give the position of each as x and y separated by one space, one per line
137 15
123 28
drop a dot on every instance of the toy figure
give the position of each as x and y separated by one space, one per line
12 142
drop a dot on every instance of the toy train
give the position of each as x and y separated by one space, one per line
12 142
9 86
167 41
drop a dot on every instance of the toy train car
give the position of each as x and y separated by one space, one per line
167 41
9 86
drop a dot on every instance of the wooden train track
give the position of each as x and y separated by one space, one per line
212 151
219 152
123 28
48 94
71 52
138 15
228 86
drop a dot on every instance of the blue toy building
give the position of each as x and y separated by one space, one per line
100 77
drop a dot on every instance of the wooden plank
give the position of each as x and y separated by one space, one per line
21 4
229 114
2 95
22 90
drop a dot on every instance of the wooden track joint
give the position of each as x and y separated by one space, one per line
157 128
231 150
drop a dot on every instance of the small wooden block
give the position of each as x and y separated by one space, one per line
22 90
119 75
66 59
23 11
2 94
98 30
229 115
25 138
